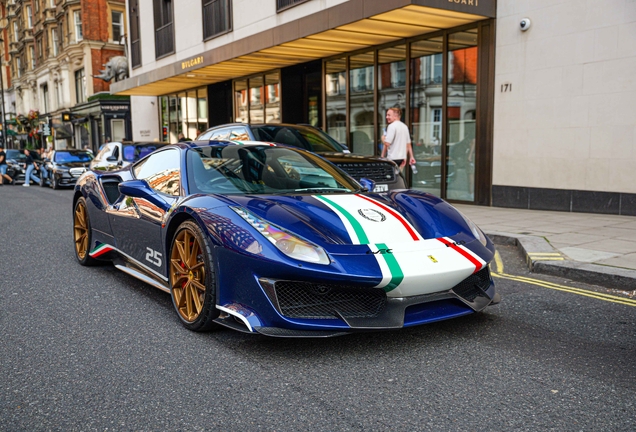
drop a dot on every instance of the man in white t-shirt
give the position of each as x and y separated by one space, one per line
397 139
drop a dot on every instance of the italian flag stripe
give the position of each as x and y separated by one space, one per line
478 265
357 228
397 275
100 250
396 215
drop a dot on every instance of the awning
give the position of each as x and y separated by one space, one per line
350 26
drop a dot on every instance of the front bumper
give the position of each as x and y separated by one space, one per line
327 311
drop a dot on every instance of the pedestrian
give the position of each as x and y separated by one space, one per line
30 166
397 139
3 167
38 158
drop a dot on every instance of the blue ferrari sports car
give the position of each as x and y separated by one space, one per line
275 240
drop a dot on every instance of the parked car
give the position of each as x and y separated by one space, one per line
271 239
15 165
116 155
66 166
385 173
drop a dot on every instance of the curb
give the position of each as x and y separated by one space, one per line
542 257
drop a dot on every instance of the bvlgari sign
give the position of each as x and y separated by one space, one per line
191 62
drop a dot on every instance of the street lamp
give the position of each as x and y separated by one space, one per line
4 119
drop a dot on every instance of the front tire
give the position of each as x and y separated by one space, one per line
54 183
82 234
193 278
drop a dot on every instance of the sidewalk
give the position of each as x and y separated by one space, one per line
592 248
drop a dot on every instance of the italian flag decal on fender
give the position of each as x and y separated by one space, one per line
100 249
410 264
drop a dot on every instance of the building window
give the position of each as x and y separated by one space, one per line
18 65
55 42
79 35
45 97
16 31
135 39
217 18
29 16
281 5
32 55
164 28
118 26
80 85
39 43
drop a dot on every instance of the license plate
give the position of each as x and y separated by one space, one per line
381 188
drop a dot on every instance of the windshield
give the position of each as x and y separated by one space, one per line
304 137
66 157
134 152
15 154
262 169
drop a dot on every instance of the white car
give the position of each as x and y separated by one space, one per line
116 155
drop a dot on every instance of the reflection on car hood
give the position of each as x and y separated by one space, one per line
319 218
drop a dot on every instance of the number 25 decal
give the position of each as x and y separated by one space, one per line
153 257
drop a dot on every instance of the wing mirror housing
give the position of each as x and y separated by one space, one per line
141 189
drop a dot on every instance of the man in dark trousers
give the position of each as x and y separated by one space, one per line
30 166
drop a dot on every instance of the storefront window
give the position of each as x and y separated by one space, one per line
391 85
361 105
426 114
183 113
272 98
461 114
241 114
336 99
256 99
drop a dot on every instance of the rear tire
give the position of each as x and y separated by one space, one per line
82 234
193 278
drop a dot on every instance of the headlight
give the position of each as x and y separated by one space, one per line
286 242
479 235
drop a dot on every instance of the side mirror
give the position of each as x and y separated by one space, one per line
367 183
111 159
141 189
135 189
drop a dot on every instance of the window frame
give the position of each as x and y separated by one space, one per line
78 26
164 22
229 21
121 25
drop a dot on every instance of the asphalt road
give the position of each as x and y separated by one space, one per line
92 349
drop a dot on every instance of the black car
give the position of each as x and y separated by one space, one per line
15 165
65 166
385 173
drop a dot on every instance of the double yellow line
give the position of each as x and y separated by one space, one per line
499 273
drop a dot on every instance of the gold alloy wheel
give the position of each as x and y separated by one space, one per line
80 230
187 275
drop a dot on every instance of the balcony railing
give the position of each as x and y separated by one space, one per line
281 5
216 18
164 40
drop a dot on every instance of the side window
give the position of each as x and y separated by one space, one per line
116 152
239 134
162 171
205 136
102 154
222 134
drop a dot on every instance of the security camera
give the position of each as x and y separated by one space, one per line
525 24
